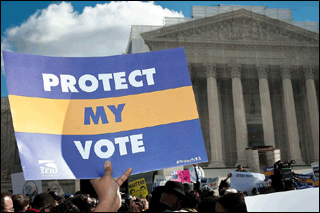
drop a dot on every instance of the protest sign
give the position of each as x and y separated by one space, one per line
211 182
181 176
160 180
305 200
246 181
138 188
315 169
71 114
268 171
304 180
55 186
31 188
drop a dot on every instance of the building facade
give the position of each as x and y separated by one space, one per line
255 75
255 78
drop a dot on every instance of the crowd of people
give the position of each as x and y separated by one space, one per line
173 196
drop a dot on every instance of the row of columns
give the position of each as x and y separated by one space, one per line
266 112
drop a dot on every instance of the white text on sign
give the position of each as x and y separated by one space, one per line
68 82
135 140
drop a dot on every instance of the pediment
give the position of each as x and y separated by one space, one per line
239 25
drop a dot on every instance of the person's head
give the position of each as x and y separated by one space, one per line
59 199
233 202
6 202
255 191
195 164
43 202
145 203
206 191
65 206
149 196
208 204
245 193
239 168
83 202
188 187
173 194
21 202
228 191
192 200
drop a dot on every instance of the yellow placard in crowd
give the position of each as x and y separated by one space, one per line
138 188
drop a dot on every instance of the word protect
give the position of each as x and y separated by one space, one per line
119 78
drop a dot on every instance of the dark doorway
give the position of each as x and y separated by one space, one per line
255 135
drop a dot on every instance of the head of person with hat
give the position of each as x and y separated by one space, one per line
172 195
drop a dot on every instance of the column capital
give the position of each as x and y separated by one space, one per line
210 69
235 70
309 71
262 70
286 71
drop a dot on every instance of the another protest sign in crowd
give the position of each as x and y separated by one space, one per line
172 196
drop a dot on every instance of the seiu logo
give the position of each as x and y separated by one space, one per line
48 167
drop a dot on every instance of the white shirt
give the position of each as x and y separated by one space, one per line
193 176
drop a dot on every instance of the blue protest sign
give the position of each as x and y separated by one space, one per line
71 114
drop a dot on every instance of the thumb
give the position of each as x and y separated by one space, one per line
108 168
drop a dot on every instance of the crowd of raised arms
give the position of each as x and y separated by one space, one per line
173 196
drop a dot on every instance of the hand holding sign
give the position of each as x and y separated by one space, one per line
107 189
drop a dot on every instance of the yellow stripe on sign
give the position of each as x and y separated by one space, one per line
66 117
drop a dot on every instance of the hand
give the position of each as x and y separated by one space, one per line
107 189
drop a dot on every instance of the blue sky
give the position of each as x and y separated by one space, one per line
20 23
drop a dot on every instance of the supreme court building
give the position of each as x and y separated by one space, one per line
255 76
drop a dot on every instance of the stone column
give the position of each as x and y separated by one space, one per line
290 114
313 107
239 114
266 110
193 76
214 117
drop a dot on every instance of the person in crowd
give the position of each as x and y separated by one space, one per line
206 192
43 202
83 202
255 191
59 199
240 169
230 190
145 203
172 195
65 206
124 208
155 198
6 202
107 189
149 196
246 193
21 202
224 185
208 204
196 173
188 187
191 203
233 202
138 204
68 196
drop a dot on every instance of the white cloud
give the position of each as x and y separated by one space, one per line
102 30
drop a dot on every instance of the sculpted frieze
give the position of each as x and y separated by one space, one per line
243 29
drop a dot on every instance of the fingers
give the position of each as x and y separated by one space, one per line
123 177
107 168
